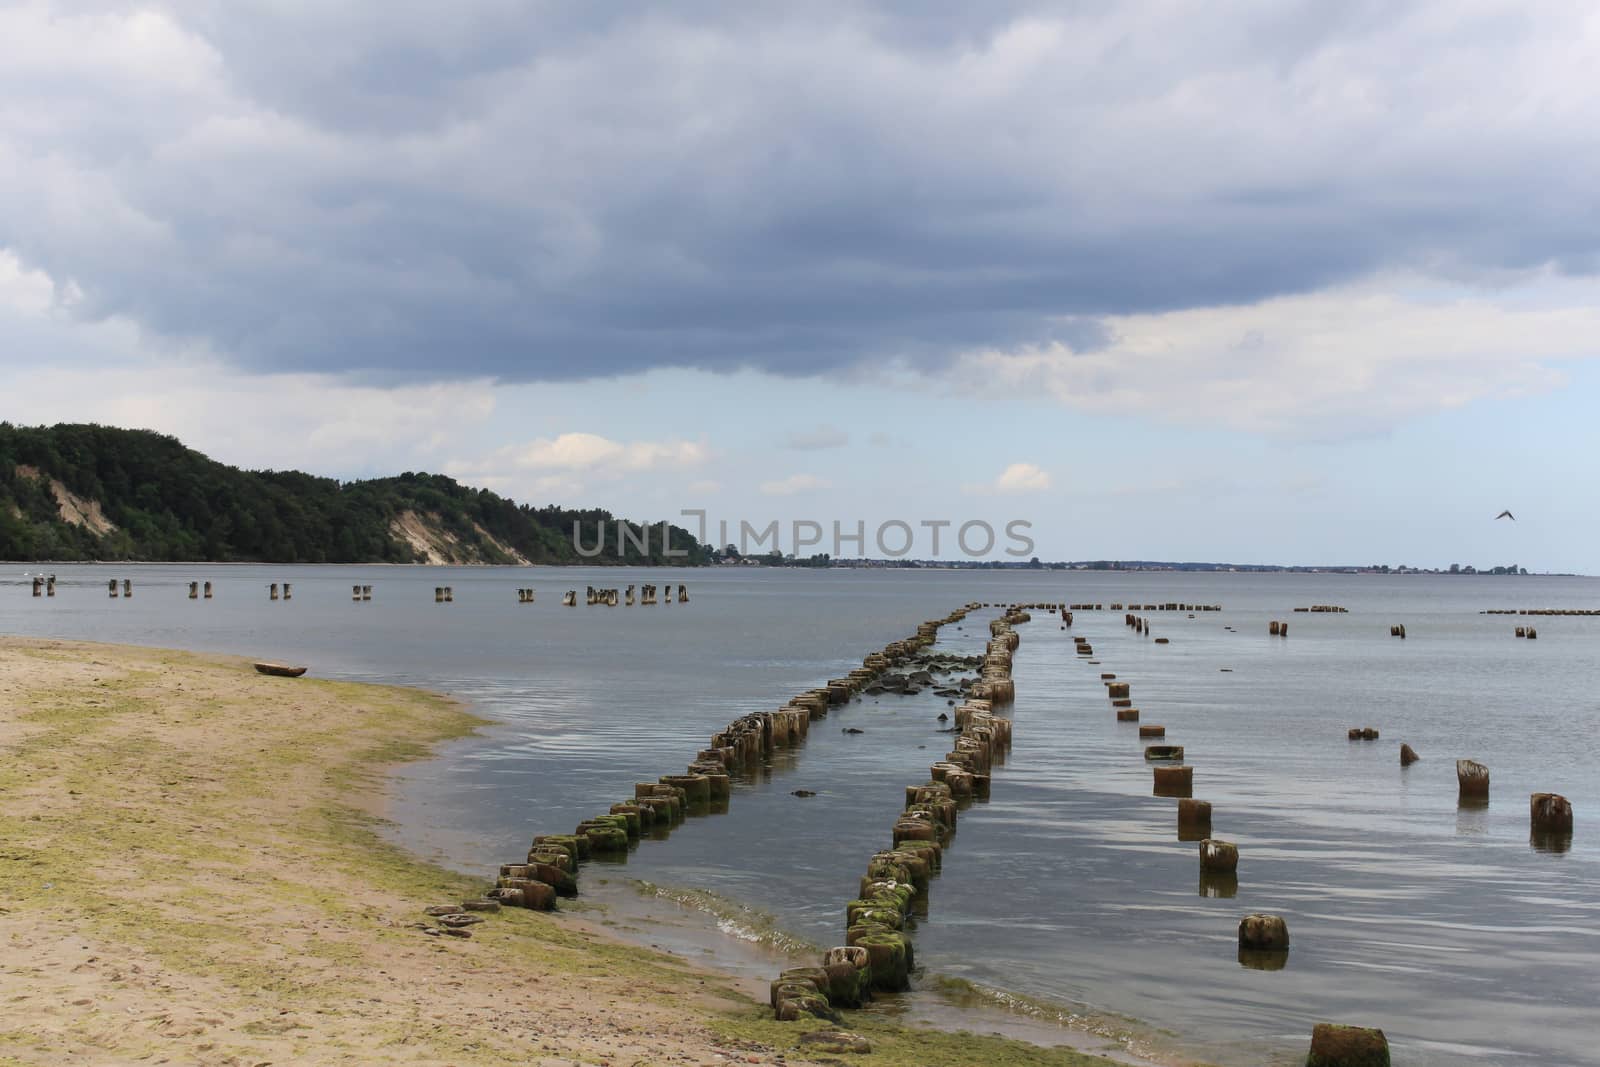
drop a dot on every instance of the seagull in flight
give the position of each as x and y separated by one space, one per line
1505 515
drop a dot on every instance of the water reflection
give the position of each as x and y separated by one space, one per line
1263 959
1219 884
1472 817
1550 840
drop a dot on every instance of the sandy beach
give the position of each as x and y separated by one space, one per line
191 872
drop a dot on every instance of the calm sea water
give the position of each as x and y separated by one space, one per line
1443 925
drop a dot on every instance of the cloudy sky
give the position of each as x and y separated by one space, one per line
1253 281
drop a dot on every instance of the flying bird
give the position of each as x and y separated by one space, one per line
1505 515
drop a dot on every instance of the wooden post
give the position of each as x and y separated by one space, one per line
208 590
274 591
112 587
127 587
194 590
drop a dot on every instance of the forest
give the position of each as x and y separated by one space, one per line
88 492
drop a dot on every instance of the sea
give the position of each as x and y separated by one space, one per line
1068 894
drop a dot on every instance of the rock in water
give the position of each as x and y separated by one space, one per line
1408 755
1347 1046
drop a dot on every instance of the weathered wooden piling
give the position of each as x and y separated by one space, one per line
207 590
1218 857
1163 752
194 590
1128 715
288 590
38 587
1149 731
1264 932
112 587
127 587
1347 1046
570 599
1194 814
50 586
438 594
1473 779
272 591
1173 780
1550 813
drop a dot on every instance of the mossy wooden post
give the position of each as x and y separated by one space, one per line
288 590
50 586
438 594
683 594
272 591
127 587
1264 932
194 590
208 590
38 587
111 587
1347 1046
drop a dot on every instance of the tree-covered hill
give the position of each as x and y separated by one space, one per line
86 492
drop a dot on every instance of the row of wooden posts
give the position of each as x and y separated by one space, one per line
442 594
877 953
1263 939
1171 605
551 866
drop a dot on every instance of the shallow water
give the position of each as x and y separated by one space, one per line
1443 925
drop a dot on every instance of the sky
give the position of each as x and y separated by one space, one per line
1276 282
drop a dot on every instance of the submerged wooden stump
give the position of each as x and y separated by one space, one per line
1473 779
1152 731
1194 814
1173 781
1127 714
1550 813
1163 752
1347 1046
1261 931
1408 755
1219 857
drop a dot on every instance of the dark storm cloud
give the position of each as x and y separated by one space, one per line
538 191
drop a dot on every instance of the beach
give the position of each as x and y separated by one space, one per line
192 870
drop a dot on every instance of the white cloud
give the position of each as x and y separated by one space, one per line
1340 362
592 453
704 486
1016 478
795 483
1022 478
